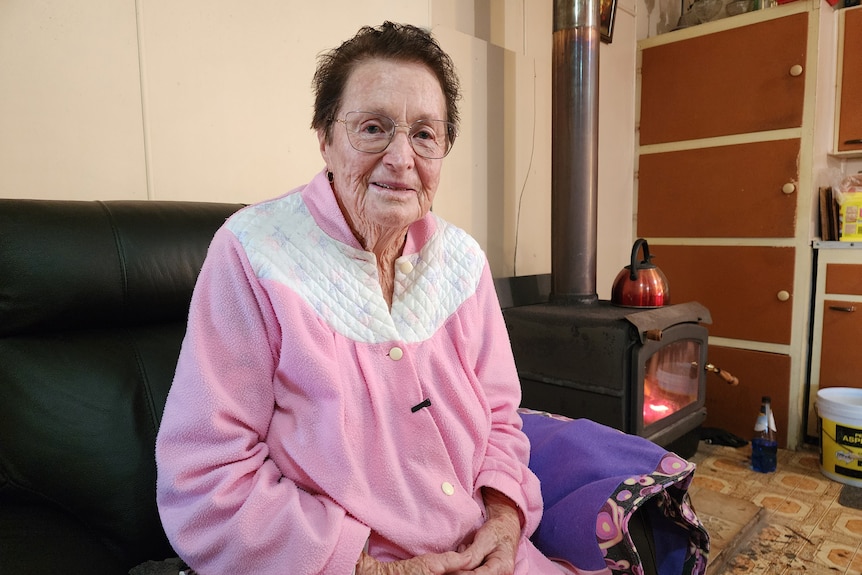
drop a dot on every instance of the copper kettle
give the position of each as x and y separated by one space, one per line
640 284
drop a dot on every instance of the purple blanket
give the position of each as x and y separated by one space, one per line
593 479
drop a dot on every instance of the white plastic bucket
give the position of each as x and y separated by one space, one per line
839 411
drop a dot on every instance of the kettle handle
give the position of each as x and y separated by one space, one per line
633 273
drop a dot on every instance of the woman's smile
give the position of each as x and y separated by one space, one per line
394 188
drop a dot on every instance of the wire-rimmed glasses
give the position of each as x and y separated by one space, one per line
371 133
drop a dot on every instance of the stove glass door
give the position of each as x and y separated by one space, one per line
671 380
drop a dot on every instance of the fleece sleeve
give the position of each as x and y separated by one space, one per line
505 466
224 504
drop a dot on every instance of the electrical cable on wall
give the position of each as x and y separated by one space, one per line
526 177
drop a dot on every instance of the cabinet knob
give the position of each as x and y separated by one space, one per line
796 70
788 188
783 295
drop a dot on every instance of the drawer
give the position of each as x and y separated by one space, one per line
735 408
730 82
842 332
740 285
743 190
844 279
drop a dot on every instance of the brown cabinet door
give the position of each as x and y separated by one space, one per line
742 286
735 408
730 82
844 278
839 356
850 119
724 191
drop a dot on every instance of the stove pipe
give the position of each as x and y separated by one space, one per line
574 151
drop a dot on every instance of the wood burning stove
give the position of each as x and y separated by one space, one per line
641 371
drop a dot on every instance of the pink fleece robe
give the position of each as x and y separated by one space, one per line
295 431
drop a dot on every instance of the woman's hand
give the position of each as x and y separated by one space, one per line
495 544
431 564
492 551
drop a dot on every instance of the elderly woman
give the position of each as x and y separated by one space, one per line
345 399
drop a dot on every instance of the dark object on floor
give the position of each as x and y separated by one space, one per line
851 496
718 436
167 567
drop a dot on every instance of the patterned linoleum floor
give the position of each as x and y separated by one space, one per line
804 530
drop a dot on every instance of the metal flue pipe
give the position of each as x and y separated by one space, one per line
574 151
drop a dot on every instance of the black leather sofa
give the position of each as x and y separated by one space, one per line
93 306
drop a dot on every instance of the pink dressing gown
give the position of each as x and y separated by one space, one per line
308 420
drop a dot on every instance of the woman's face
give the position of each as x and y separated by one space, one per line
395 187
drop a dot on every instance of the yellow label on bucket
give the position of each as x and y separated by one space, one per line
841 452
848 436
840 422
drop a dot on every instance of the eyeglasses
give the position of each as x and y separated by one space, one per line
372 133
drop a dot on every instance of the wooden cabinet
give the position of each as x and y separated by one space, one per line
739 190
848 132
836 327
747 289
726 196
736 407
735 81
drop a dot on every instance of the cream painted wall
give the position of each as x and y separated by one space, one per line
70 100
210 100
505 51
617 81
227 90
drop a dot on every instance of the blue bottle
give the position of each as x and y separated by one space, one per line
764 444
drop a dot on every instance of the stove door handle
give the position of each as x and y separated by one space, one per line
726 376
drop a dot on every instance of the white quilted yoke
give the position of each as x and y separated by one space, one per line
341 282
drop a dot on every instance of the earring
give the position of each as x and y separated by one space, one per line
329 176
